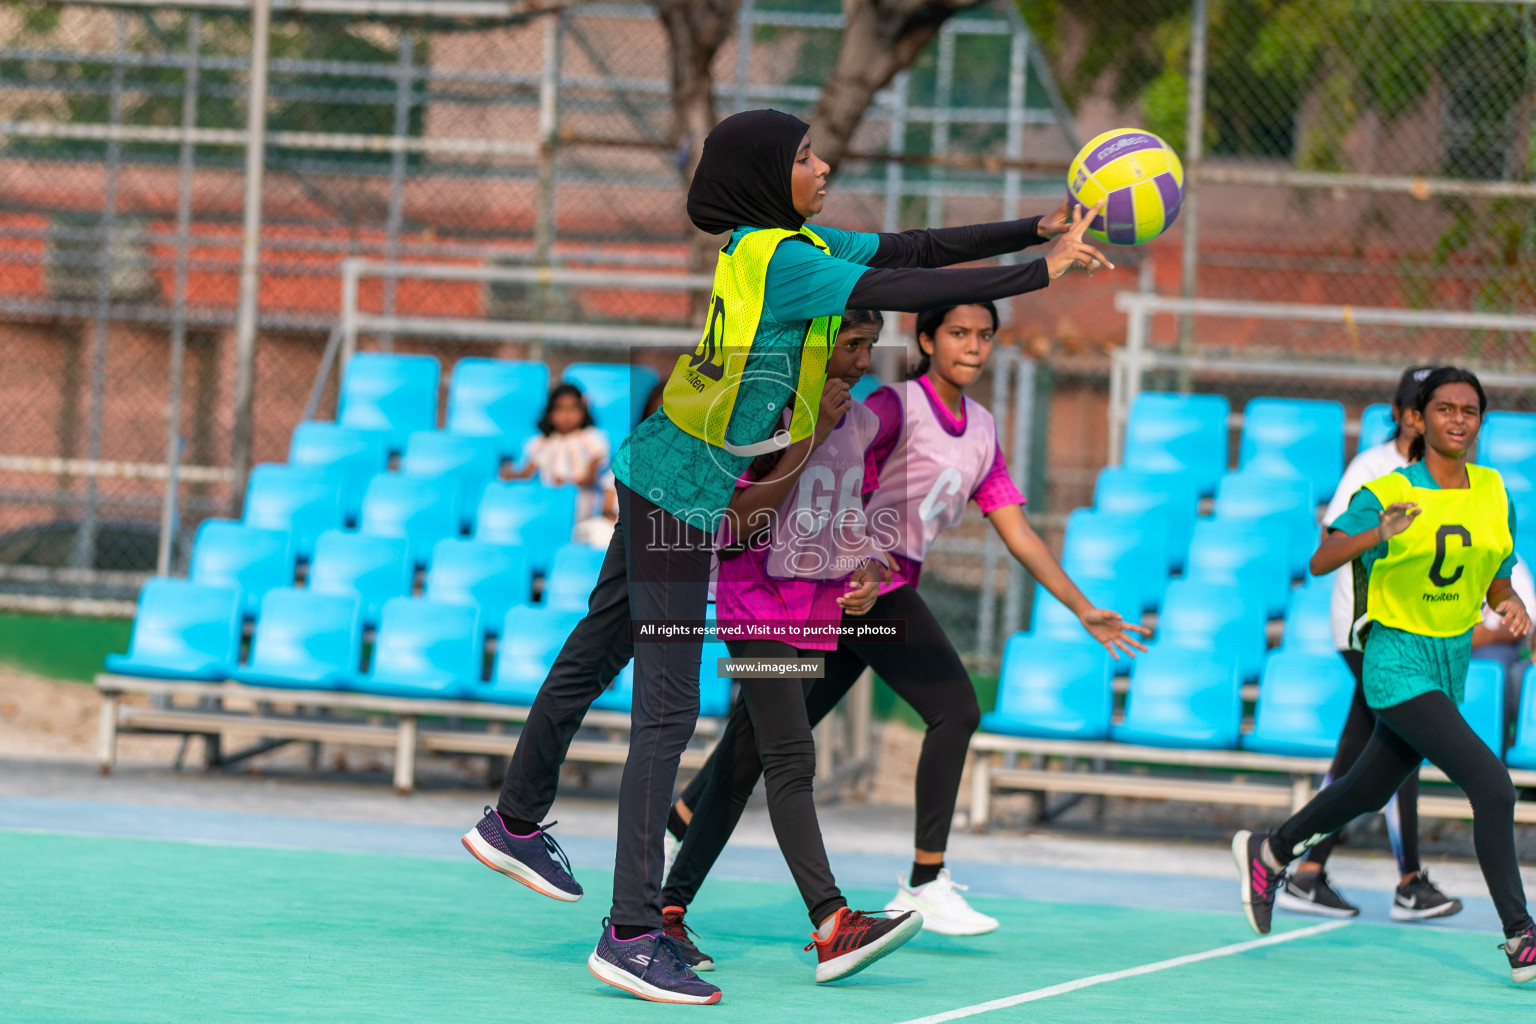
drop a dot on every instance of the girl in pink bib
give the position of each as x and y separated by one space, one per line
934 451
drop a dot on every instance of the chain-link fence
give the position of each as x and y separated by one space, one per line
169 283
1354 154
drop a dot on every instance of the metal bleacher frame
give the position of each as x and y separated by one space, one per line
1104 768
412 725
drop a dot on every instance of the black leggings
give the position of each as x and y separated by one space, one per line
1403 814
925 671
786 750
1428 725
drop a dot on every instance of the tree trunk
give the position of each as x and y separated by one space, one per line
880 38
696 29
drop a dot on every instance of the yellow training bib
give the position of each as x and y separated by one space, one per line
701 393
1435 574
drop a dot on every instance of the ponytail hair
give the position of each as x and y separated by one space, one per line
930 320
1431 383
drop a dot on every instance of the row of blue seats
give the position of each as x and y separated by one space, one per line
1187 698
1292 437
425 647
306 501
375 569
1215 618
396 396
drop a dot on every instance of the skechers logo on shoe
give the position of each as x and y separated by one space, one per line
642 959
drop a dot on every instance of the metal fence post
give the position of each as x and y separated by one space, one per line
549 131
168 514
1194 148
83 552
394 217
1019 468
1018 96
250 249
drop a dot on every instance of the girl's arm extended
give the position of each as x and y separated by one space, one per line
1107 627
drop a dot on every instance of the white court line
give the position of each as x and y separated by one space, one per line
1129 972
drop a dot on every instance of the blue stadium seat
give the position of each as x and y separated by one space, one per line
1248 496
1103 546
303 500
714 689
1123 491
421 509
497 398
426 649
472 461
1222 621
1051 620
1507 443
867 385
182 630
493 577
1484 707
306 641
531 638
1523 753
615 393
1303 701
572 575
1308 623
1047 688
371 569
1294 437
1376 426
356 454
252 560
1236 555
528 513
1167 433
1182 698
393 393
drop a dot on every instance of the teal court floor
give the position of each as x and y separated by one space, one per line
125 929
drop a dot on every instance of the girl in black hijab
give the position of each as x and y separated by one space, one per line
757 172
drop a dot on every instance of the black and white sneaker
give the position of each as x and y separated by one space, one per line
1312 893
1417 899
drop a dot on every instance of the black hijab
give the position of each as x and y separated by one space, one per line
743 173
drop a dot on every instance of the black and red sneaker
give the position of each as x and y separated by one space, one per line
676 929
858 939
1257 880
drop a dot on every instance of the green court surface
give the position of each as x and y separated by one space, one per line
127 930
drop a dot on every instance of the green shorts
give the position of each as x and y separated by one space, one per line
1400 665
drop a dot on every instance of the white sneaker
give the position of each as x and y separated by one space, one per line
671 844
944 910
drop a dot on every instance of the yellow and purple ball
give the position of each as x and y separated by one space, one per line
1139 177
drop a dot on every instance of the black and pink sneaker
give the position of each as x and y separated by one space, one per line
1521 951
536 859
1256 879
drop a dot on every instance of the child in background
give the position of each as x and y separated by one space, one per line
597 530
569 449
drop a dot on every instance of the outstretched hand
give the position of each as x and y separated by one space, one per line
1396 518
1070 251
1516 619
1057 222
1110 629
